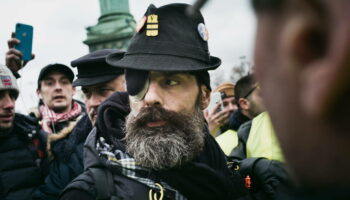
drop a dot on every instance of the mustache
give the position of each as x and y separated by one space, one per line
7 113
157 113
59 96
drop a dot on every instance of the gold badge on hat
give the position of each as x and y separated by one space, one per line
152 25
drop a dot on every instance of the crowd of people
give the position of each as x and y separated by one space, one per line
145 130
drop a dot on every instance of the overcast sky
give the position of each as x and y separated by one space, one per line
59 29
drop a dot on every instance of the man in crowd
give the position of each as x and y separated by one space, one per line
249 100
218 121
99 80
302 56
250 105
22 145
166 150
57 111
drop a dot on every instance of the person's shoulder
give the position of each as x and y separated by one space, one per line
26 121
245 128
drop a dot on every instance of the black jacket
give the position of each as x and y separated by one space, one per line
68 161
22 167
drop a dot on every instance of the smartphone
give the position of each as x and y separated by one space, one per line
24 33
215 98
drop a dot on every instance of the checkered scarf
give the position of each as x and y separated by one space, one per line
126 164
49 117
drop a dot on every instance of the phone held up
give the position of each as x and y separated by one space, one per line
215 98
24 33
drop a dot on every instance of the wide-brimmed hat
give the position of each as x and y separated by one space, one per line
93 69
168 40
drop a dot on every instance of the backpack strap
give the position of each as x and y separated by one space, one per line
104 183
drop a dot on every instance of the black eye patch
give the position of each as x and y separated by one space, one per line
135 80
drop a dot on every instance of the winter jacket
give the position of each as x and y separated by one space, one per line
22 159
67 163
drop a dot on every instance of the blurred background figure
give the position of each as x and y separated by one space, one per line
249 103
302 56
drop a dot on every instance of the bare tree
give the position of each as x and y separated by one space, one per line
242 69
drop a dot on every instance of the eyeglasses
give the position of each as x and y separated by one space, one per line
251 91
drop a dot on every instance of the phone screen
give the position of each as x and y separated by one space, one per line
24 33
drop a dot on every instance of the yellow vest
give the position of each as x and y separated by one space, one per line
262 141
227 141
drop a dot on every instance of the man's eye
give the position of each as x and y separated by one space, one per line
65 82
105 90
48 83
171 82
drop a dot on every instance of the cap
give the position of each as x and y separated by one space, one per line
55 67
93 68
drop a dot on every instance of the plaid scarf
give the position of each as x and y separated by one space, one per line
126 165
49 117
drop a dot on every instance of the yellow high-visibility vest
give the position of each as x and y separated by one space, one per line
227 141
262 141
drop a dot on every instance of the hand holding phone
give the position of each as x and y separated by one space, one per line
24 33
215 98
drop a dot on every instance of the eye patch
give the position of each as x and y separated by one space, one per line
137 83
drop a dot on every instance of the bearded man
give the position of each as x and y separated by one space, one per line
166 150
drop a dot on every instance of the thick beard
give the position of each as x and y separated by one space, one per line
177 142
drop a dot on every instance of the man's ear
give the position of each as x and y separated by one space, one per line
244 104
74 90
205 96
38 92
319 45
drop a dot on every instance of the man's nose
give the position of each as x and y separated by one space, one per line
154 95
9 103
58 86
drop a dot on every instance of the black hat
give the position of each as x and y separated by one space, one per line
93 69
55 67
168 40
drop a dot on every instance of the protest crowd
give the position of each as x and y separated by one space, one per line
152 127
